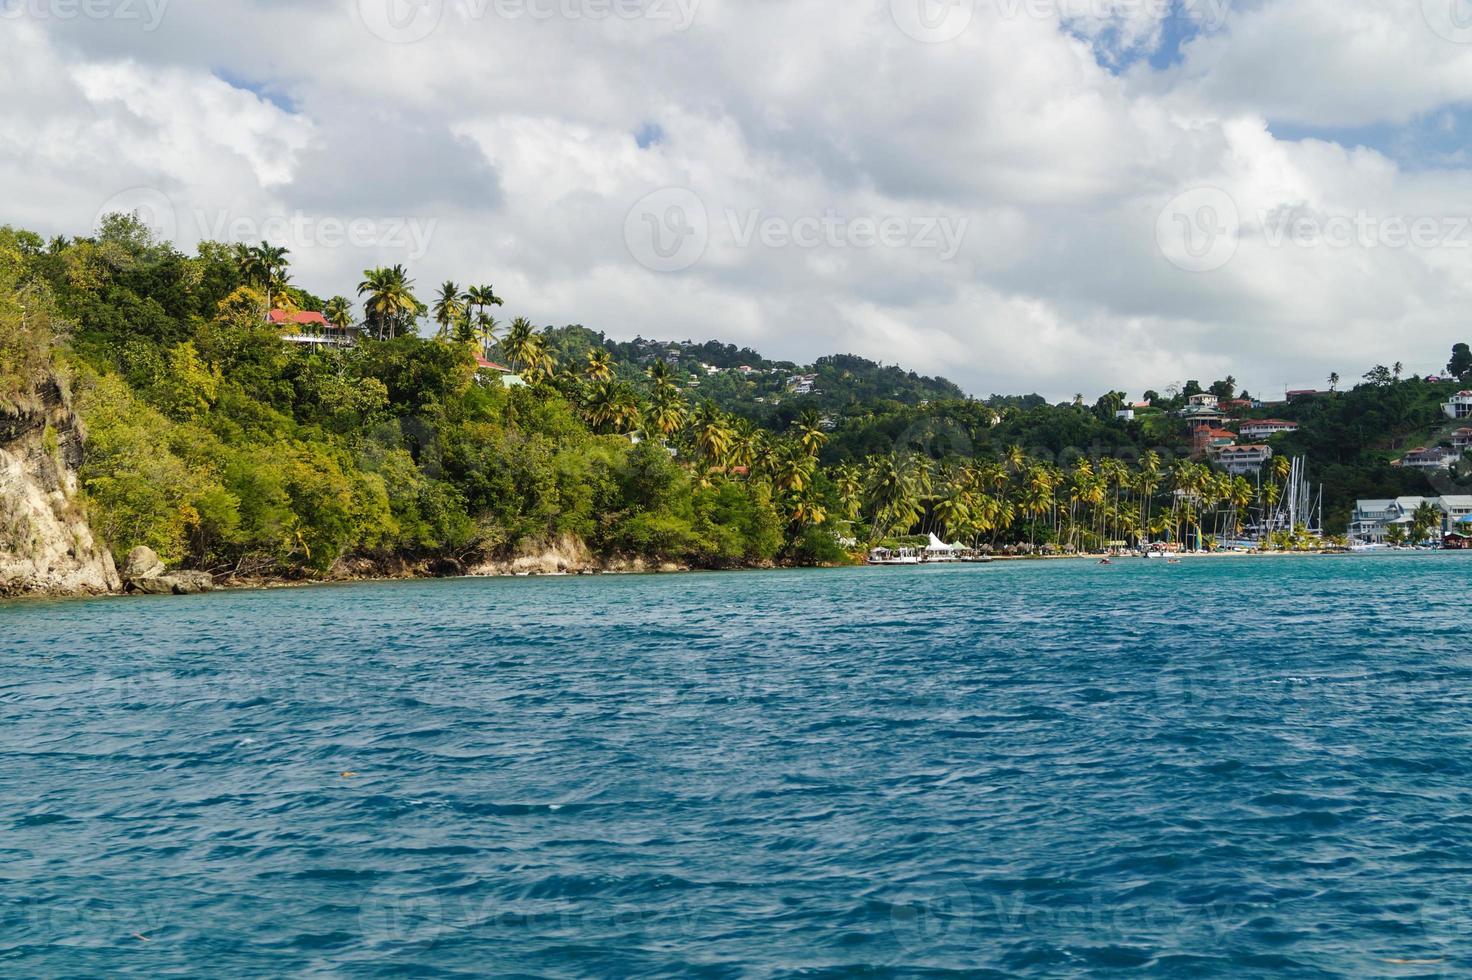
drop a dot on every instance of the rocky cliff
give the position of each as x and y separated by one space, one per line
46 545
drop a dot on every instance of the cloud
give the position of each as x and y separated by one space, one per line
519 136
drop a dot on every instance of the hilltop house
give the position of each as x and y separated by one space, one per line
311 328
1434 458
1125 414
1266 428
1460 406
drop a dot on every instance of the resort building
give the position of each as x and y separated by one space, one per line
1434 458
1373 518
1241 460
1266 428
1457 511
312 329
1460 406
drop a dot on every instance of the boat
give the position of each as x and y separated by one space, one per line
893 556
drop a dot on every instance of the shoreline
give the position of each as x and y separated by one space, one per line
264 584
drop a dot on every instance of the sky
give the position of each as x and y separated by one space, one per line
1061 196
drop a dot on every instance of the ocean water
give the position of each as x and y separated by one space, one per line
1220 768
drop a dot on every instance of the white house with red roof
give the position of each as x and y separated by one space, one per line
485 369
311 328
1460 406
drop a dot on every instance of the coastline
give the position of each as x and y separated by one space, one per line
420 572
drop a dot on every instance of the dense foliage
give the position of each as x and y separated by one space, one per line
224 446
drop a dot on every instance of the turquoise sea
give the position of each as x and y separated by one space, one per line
1235 767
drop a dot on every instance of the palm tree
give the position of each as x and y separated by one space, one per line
713 435
390 299
600 364
520 343
891 495
1334 381
448 308
810 432
667 411
339 314
612 406
265 265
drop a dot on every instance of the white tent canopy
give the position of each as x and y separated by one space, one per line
940 547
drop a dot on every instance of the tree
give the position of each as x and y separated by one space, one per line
339 313
600 365
1425 517
390 301
1460 366
448 308
1334 381
520 344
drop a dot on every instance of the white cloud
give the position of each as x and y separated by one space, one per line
513 140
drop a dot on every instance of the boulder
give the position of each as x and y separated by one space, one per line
152 585
142 563
189 583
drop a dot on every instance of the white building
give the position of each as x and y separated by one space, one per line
1203 400
1373 518
1434 458
1265 428
1125 414
1460 406
1241 460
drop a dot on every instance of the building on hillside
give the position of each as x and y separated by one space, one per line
1205 400
1462 440
486 370
1266 428
1241 460
1460 406
1125 414
1212 440
312 329
802 384
1197 415
1302 393
1434 458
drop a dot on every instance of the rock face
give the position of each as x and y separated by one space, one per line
144 572
46 544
